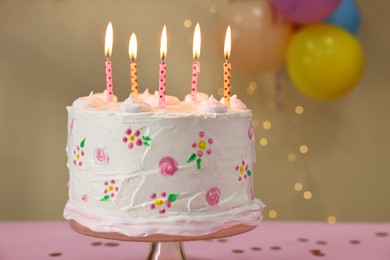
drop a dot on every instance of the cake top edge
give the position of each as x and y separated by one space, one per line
147 103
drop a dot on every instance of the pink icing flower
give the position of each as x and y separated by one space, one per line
168 166
135 138
110 191
212 196
250 131
243 171
163 202
101 156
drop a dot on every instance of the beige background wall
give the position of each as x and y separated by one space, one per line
51 52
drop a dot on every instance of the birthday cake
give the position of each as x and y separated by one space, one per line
139 170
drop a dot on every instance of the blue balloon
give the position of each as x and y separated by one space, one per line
346 15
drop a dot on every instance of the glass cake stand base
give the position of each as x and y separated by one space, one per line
163 247
166 251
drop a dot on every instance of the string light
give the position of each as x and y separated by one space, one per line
303 149
251 88
332 220
263 141
213 9
307 195
272 214
267 124
299 110
291 157
298 186
187 23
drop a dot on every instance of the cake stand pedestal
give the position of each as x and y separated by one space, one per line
163 247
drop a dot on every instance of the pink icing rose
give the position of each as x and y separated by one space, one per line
168 166
250 131
212 196
101 156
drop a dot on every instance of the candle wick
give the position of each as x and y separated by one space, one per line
132 59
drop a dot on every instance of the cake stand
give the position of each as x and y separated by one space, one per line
163 247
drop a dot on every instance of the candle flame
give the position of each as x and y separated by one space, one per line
108 42
228 40
133 47
163 45
196 43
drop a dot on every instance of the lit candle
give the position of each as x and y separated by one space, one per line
133 65
196 64
227 67
108 50
163 68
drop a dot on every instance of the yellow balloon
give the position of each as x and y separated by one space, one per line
324 61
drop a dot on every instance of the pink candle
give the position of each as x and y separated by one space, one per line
108 50
227 67
163 69
133 65
194 85
196 64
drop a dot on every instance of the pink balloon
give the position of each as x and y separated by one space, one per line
259 36
306 11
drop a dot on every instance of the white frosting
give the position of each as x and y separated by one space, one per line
145 94
213 105
235 103
89 101
121 164
103 96
134 105
154 100
199 97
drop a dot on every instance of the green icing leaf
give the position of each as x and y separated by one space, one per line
198 161
191 158
146 143
105 198
173 196
82 143
248 172
146 138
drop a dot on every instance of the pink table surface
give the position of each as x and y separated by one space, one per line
271 240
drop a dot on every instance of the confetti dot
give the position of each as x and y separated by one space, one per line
256 248
307 195
238 251
266 124
222 240
381 234
187 23
263 141
55 254
298 186
291 157
354 242
272 214
96 243
320 242
299 110
301 239
275 248
332 220
303 149
111 244
213 9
